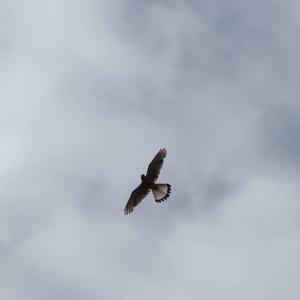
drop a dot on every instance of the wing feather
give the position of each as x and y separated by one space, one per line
156 165
136 197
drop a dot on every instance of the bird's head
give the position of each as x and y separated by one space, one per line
143 177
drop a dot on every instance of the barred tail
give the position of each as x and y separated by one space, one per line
161 191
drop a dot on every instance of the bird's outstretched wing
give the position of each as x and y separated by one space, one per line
155 165
136 197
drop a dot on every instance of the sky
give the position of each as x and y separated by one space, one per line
91 90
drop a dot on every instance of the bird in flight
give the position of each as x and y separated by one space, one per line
161 191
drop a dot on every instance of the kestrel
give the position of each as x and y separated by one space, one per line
161 191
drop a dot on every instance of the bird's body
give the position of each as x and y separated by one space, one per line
161 191
150 184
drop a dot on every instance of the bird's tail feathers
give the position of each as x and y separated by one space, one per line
161 191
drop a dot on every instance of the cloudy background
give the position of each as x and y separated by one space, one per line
90 90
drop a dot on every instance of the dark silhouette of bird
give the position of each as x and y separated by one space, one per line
161 191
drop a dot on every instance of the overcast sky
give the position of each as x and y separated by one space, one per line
91 90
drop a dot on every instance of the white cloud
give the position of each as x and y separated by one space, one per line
90 91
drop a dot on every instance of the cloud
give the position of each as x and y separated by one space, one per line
90 91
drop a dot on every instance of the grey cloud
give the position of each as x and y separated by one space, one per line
90 91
